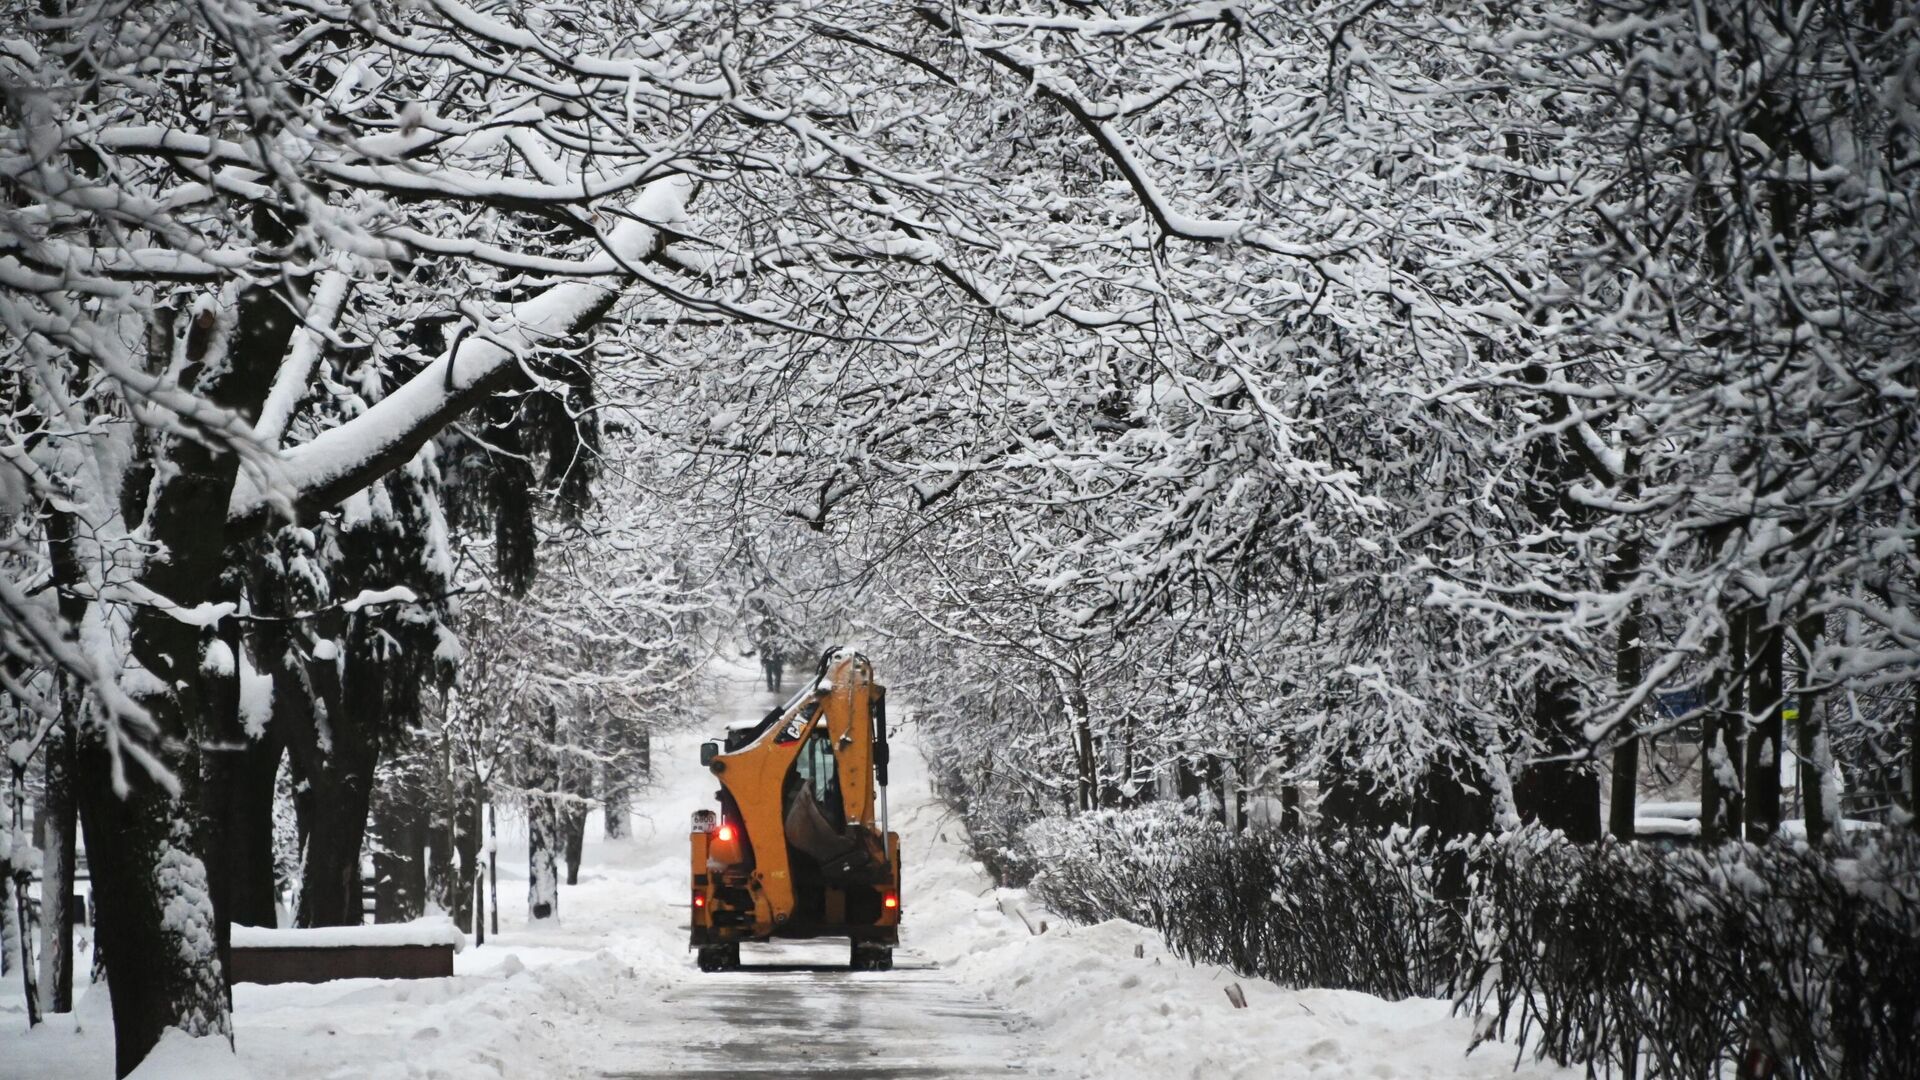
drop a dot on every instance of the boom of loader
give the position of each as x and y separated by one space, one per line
800 847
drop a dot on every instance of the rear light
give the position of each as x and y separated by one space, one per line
725 835
891 902
699 899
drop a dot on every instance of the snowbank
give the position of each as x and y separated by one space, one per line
182 1057
1116 1004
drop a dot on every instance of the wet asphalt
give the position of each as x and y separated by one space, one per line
795 1010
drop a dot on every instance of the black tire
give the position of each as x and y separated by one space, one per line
871 957
719 957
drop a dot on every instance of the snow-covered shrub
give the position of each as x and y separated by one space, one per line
1334 910
1626 958
1655 964
963 774
994 818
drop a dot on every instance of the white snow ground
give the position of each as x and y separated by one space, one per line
610 990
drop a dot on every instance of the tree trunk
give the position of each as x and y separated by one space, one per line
1454 800
478 884
1206 784
19 924
1231 809
1625 793
331 711
330 884
10 930
1913 765
493 865
247 885
443 871
399 852
16 916
153 916
544 843
544 834
574 772
1086 775
337 786
59 817
1764 691
1713 776
146 839
1353 800
1810 737
468 832
1723 740
615 804
1186 779
575 824
1559 794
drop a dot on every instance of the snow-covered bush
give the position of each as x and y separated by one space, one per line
1345 910
1626 958
995 816
1648 963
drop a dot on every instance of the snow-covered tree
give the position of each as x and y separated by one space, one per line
1405 395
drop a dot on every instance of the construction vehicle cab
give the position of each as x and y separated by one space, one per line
799 847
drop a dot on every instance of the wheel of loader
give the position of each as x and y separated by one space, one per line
720 957
872 957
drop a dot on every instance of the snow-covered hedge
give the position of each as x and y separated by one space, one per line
1349 912
1672 964
994 825
1636 961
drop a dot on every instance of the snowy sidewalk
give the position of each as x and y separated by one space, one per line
796 1011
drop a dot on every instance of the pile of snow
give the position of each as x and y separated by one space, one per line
1112 1013
182 1057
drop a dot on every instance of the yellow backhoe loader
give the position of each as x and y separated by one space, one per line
800 846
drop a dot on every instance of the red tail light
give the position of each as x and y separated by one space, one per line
725 834
891 901
699 899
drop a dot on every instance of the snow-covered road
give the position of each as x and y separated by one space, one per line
610 990
795 1010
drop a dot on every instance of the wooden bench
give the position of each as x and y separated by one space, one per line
400 951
